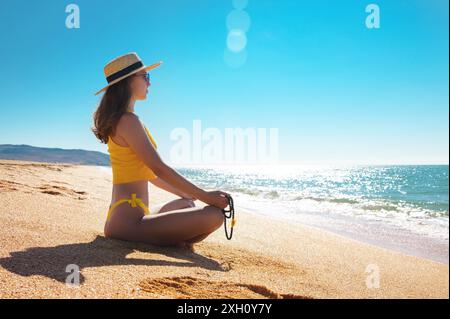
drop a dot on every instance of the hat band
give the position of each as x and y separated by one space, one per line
125 71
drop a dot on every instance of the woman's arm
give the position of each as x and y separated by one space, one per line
159 182
132 130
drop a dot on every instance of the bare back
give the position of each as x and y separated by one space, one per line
120 191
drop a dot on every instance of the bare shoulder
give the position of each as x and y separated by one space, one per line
127 123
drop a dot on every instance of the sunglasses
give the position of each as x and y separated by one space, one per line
145 75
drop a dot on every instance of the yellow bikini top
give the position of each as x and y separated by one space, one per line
126 166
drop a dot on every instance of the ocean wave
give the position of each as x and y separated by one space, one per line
247 191
380 207
331 200
351 205
271 195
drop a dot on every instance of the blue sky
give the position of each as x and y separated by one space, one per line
337 91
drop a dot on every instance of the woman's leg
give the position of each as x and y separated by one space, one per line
197 239
172 205
180 226
168 228
179 204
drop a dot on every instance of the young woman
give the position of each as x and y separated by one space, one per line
135 161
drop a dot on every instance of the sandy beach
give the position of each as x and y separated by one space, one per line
52 216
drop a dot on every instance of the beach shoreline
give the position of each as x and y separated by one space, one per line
386 237
53 216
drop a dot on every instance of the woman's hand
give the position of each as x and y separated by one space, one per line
216 198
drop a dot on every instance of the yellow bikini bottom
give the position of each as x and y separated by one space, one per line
133 201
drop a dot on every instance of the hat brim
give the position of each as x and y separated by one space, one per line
146 68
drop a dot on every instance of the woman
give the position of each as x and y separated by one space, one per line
135 161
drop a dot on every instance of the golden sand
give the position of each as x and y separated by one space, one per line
52 215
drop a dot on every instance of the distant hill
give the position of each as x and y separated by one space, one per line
53 155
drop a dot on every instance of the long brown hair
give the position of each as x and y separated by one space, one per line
113 105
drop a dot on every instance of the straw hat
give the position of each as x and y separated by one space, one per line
124 66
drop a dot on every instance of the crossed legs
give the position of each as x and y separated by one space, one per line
178 222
